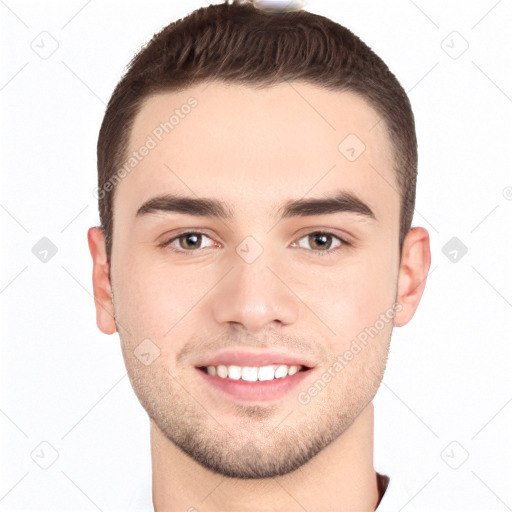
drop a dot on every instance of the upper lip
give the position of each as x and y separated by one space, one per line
244 358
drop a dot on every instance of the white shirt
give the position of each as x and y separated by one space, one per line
394 498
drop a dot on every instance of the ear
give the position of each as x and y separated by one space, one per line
412 274
101 282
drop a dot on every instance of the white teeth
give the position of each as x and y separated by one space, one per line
293 370
222 371
266 373
234 372
252 373
282 371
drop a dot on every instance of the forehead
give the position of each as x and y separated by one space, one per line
247 145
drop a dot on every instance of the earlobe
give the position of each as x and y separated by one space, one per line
413 273
101 282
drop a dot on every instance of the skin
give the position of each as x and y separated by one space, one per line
254 150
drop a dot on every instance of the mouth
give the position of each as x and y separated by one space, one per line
253 373
253 383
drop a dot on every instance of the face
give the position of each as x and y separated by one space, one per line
256 274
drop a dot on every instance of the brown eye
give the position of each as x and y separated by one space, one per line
188 242
321 242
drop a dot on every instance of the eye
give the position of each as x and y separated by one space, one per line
191 241
187 243
322 242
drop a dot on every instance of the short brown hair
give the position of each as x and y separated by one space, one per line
242 44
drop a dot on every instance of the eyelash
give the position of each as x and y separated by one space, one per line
328 252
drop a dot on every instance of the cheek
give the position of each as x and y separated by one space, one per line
351 295
152 298
162 301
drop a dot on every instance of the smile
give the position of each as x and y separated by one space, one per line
253 383
253 373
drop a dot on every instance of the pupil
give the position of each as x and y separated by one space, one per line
193 236
316 236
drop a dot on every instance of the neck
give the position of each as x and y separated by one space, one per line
339 478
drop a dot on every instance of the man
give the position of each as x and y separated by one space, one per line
256 186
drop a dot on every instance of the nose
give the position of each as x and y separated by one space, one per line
256 296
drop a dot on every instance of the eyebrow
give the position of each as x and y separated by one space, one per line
342 202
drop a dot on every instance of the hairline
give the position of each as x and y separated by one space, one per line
126 142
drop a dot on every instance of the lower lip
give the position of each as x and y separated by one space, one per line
264 390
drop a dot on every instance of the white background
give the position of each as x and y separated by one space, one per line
64 382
